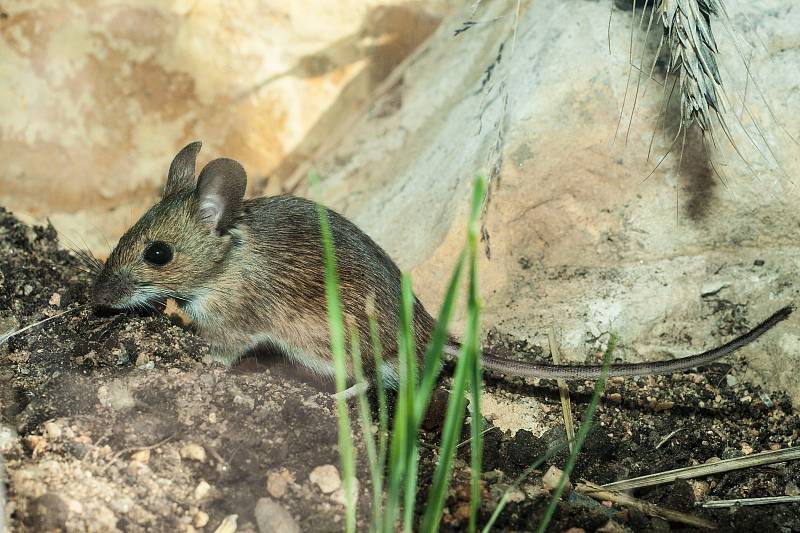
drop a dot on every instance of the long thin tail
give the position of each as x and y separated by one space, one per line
579 372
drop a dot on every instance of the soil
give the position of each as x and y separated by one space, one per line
123 423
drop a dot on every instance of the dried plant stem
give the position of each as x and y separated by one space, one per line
600 493
725 465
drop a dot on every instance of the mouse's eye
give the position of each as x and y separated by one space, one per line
158 253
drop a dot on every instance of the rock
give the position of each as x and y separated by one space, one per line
611 527
245 401
202 490
551 199
551 478
52 430
228 524
272 517
143 456
326 477
193 452
115 396
200 519
48 512
276 484
338 495
55 299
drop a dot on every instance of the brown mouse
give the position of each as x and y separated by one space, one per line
250 273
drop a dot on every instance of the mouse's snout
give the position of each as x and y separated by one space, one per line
107 291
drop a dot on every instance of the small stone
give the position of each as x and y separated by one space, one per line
551 477
611 527
194 452
143 456
200 519
746 448
272 517
48 512
326 477
202 490
136 469
27 289
731 380
462 512
55 299
699 489
228 524
338 495
244 401
791 489
122 504
615 397
115 396
212 418
52 430
276 485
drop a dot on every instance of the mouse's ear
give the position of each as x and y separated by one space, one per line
181 171
219 193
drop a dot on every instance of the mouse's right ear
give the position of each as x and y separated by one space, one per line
181 171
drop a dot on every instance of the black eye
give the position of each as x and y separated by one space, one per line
158 253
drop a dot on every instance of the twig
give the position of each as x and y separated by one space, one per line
136 449
725 465
599 493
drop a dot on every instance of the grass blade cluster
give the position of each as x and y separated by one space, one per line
395 483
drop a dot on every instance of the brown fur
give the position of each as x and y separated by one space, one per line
257 277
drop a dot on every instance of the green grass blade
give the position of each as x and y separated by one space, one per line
586 424
337 332
433 352
408 382
475 381
383 410
375 466
467 370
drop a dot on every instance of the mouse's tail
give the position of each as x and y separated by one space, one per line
579 372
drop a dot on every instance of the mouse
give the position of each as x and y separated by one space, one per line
250 274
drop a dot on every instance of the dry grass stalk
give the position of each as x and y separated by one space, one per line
600 493
563 390
725 465
767 500
692 51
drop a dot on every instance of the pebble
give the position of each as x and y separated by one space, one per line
228 524
326 477
200 519
143 456
244 401
194 452
551 477
746 448
52 430
55 299
202 490
272 517
276 484
48 512
339 497
116 396
611 527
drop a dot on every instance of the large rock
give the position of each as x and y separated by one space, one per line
675 264
97 96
